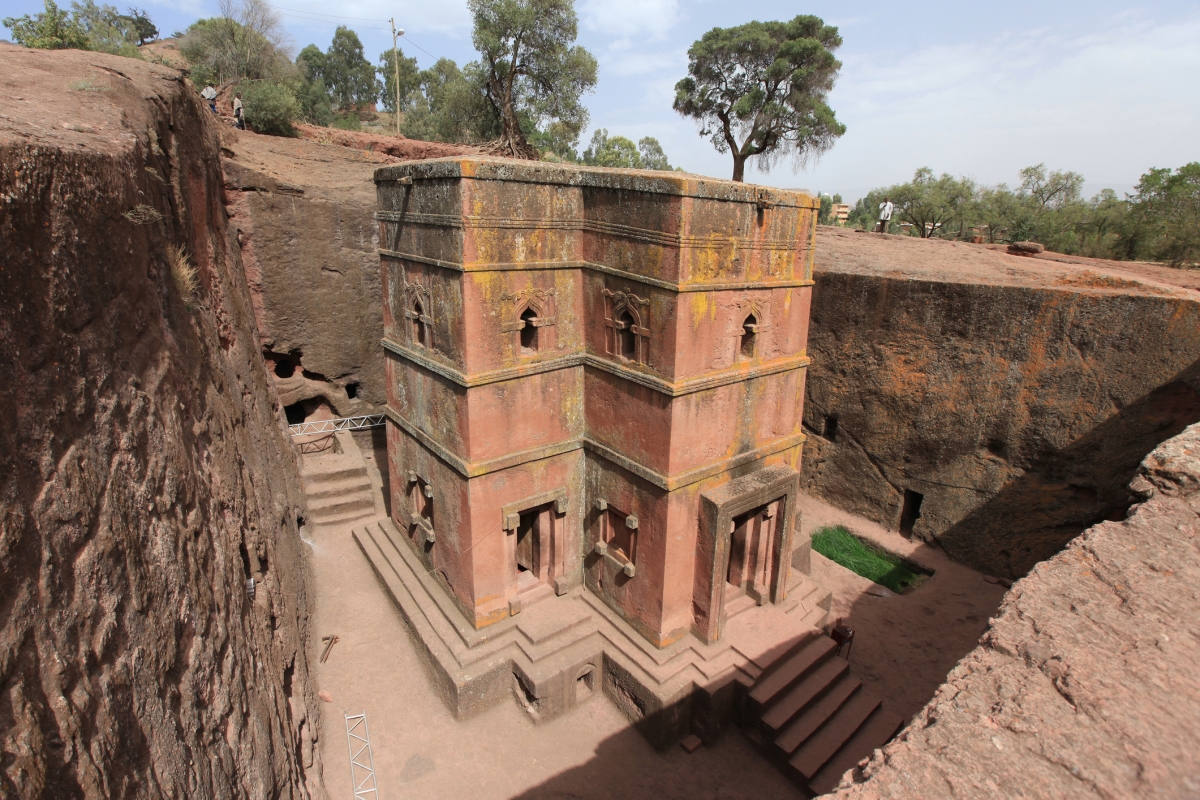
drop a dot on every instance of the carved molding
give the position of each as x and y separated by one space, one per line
514 304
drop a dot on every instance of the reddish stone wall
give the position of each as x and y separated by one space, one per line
1086 683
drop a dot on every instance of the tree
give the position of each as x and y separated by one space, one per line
1167 209
758 90
246 41
612 151
931 204
450 106
410 80
530 67
652 153
349 77
51 30
145 29
1053 190
108 31
311 95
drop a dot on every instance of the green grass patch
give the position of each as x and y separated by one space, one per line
865 559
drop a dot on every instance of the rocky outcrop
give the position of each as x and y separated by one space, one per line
304 214
145 475
1086 683
997 405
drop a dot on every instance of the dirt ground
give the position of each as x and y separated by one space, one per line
898 256
904 646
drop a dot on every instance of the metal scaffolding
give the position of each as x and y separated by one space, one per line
362 763
335 425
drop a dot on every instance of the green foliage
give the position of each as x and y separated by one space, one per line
1166 215
410 80
759 90
349 77
246 41
51 30
530 70
450 106
347 122
271 107
841 546
622 153
144 29
825 210
108 31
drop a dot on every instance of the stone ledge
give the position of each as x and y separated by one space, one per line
573 637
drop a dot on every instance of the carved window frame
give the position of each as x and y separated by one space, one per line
515 304
638 308
420 524
743 311
414 294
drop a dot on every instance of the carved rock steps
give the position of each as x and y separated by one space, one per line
815 720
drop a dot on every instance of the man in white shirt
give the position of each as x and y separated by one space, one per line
210 94
885 214
239 112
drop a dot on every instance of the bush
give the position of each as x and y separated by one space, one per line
348 122
271 107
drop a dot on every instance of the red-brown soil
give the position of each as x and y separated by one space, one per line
403 149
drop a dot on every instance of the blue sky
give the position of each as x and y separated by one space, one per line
1106 89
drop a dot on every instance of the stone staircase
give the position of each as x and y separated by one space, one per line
337 486
815 720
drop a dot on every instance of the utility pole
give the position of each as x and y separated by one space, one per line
396 64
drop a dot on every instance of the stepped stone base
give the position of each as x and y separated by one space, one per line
558 651
336 484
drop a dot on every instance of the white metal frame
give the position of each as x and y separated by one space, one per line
362 762
335 425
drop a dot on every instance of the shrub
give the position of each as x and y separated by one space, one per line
348 122
271 107
183 273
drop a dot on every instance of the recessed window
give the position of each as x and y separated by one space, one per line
620 536
911 511
352 391
529 332
627 336
831 428
749 337
420 335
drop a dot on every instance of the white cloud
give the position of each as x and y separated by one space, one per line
647 19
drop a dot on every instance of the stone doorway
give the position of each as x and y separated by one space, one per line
752 553
535 546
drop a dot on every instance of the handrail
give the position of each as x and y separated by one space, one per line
335 425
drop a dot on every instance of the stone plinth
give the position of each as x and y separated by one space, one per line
595 377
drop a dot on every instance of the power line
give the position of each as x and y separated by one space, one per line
311 15
422 49
319 14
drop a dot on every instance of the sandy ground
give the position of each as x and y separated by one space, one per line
903 644
904 647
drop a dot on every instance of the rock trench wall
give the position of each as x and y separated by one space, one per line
1085 685
1018 413
144 471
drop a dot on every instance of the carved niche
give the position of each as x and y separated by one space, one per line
418 310
527 312
626 325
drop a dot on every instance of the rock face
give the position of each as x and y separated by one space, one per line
998 405
1086 684
144 472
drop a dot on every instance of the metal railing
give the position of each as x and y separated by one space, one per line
335 425
362 762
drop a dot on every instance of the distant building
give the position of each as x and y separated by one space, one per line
840 213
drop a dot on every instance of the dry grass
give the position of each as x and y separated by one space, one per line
142 215
183 272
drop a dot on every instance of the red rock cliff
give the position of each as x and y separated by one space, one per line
144 471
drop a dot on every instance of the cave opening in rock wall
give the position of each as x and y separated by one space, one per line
910 512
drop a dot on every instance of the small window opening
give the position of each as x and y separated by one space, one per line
831 427
295 413
419 325
526 539
911 511
529 332
619 536
284 368
352 391
628 336
749 334
584 684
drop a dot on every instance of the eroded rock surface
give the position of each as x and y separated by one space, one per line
144 469
1012 397
1086 683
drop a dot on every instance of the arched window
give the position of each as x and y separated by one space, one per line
749 335
627 336
420 336
529 332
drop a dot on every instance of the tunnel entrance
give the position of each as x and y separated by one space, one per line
910 512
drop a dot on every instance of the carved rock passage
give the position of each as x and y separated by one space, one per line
144 471
1016 395
1086 683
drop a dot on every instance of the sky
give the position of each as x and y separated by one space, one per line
1105 89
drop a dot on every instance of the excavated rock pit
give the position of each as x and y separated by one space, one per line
145 474
995 405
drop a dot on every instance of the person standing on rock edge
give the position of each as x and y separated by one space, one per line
239 112
210 94
885 214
